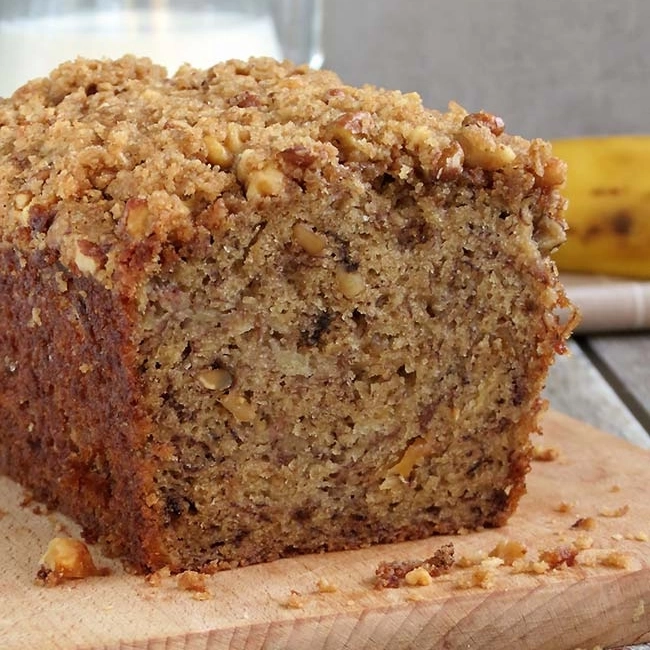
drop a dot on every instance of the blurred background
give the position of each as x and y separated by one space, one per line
550 68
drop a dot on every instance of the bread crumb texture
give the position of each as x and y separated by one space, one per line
272 313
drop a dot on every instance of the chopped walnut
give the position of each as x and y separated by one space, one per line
564 554
536 567
564 506
35 320
195 582
298 158
241 409
608 558
22 200
481 147
418 577
582 542
482 576
585 523
313 243
471 559
156 578
494 123
450 163
509 551
88 257
614 560
67 559
414 453
392 574
614 512
217 153
237 137
324 586
545 454
294 601
350 283
268 181
259 176
553 175
348 131
138 219
217 379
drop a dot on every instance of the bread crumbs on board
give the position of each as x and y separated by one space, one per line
294 601
194 582
390 575
613 513
324 586
65 559
545 454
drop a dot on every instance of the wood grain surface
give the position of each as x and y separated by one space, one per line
279 605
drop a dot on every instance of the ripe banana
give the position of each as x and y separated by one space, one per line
608 188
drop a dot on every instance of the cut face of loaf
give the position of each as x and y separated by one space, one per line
251 312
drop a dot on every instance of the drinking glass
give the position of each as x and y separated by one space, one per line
37 35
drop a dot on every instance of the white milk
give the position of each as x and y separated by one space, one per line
32 47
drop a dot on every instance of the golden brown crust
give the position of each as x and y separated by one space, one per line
253 312
80 147
73 429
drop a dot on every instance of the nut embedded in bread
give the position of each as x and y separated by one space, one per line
250 312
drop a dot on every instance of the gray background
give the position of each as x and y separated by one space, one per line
550 68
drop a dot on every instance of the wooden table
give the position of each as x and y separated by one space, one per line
606 382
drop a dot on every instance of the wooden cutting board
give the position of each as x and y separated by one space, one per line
280 606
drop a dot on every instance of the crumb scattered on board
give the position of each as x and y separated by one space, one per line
324 586
621 511
506 554
640 536
545 454
294 601
509 550
194 582
67 558
585 523
482 576
390 575
605 558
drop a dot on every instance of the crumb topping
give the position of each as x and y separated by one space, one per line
107 161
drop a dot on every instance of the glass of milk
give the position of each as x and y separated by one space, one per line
37 35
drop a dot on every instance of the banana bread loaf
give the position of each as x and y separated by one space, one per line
251 312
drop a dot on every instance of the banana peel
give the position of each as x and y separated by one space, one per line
608 192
